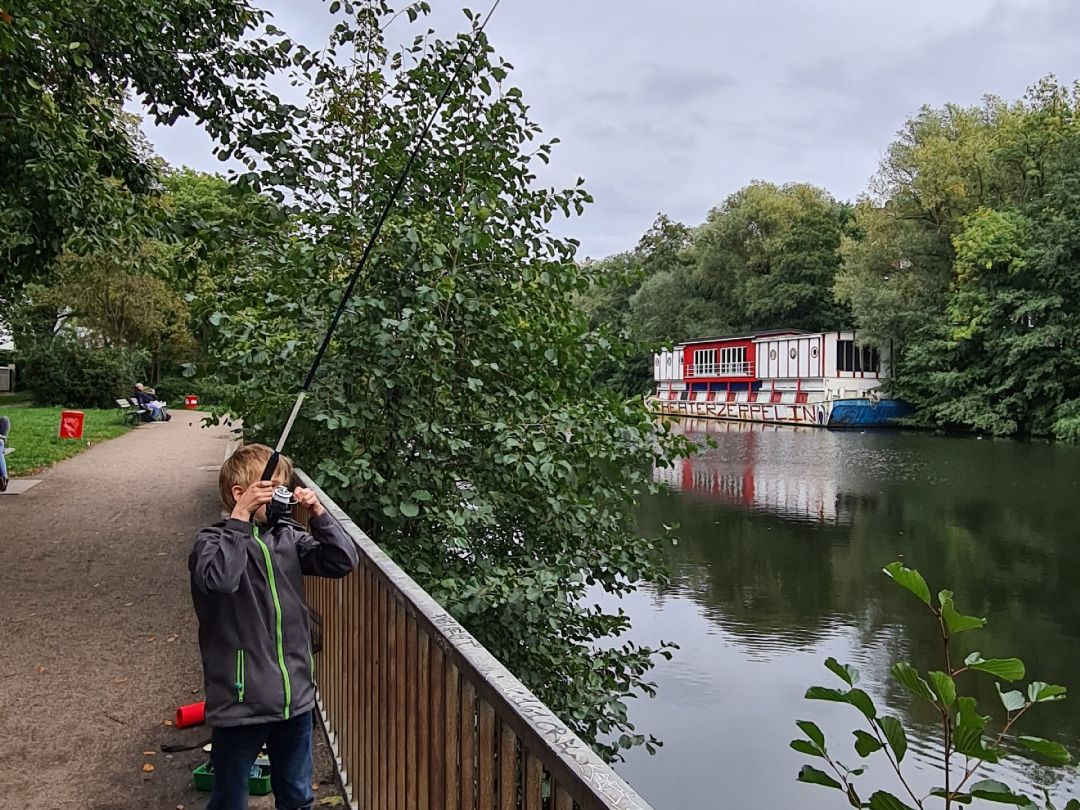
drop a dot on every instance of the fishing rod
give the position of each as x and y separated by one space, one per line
282 501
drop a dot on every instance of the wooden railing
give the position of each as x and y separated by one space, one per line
422 717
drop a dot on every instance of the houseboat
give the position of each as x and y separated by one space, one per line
784 376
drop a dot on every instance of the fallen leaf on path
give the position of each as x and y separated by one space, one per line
128 604
147 767
171 639
120 681
40 669
166 722
163 554
151 638
149 753
314 785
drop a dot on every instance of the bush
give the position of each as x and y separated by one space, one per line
209 390
64 372
1067 422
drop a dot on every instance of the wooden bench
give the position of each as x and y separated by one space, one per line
131 410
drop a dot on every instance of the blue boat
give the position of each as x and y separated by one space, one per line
850 413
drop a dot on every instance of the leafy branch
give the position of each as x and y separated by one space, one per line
963 728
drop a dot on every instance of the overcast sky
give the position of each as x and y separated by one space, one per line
672 106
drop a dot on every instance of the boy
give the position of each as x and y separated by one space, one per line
248 588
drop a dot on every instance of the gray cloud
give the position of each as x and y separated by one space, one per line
675 85
672 107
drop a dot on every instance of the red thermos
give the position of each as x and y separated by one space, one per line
194 714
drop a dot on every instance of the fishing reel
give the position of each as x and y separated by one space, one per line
280 506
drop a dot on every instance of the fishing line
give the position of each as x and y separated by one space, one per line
271 464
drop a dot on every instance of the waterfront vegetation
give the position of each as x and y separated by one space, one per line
962 257
454 415
457 415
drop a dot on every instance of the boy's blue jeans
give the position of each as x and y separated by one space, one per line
288 742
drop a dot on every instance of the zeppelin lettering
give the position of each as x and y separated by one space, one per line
744 411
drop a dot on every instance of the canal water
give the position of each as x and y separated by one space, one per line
784 532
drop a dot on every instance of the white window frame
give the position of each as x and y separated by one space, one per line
733 362
705 363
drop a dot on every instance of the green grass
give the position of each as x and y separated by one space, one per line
18 398
35 440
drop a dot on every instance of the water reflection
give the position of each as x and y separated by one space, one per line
783 536
748 474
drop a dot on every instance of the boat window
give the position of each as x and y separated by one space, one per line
705 362
871 360
733 362
845 355
850 357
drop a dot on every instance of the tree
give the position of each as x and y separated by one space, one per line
669 308
966 258
768 256
611 305
67 69
219 230
455 415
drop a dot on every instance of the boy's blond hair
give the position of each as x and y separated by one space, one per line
245 467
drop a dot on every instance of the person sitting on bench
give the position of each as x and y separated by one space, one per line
147 399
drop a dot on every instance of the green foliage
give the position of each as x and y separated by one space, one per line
964 729
67 69
112 286
911 580
209 390
1067 421
640 301
965 257
767 257
455 415
954 622
68 372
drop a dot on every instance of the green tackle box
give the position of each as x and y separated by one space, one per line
258 782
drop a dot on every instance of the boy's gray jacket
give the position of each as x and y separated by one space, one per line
254 634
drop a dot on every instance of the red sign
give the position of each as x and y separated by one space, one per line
71 424
191 402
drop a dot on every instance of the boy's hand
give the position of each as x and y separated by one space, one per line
258 494
305 497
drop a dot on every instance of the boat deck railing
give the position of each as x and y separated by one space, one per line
718 370
422 717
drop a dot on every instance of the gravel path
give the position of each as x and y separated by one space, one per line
96 625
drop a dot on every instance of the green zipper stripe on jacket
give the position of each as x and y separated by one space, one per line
240 675
277 619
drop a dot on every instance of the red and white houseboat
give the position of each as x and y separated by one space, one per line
784 376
